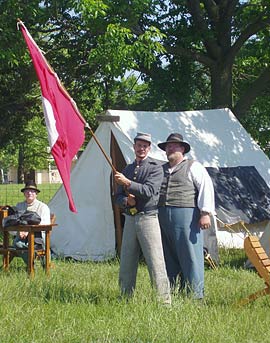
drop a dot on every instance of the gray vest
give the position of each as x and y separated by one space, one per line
176 188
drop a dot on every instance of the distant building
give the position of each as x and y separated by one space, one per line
40 176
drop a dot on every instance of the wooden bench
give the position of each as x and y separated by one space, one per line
9 252
261 262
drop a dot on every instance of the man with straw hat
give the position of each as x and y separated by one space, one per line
185 205
31 203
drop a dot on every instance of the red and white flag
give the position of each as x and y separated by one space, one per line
65 125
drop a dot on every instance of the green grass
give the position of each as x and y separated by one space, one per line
10 194
79 303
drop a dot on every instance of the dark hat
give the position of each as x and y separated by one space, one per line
143 137
30 185
175 138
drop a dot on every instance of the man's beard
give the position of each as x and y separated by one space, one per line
175 157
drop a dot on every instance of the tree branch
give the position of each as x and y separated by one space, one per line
250 30
189 53
255 90
230 6
200 24
212 10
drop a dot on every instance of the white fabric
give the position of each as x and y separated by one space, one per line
50 122
90 233
217 138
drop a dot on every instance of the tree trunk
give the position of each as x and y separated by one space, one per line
30 175
20 170
221 85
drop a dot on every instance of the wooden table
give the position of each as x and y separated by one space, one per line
7 250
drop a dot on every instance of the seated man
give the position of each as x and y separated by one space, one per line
31 203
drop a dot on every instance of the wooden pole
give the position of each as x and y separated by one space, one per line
101 148
116 209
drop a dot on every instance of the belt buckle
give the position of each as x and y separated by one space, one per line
133 211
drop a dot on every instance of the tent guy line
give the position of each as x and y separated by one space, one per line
232 230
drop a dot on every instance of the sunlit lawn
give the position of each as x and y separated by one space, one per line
79 303
10 194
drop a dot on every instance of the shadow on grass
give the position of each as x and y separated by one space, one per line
68 294
234 258
73 260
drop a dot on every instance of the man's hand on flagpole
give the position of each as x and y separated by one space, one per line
120 179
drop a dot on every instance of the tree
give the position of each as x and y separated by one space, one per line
22 130
186 55
207 61
29 151
201 37
18 97
59 31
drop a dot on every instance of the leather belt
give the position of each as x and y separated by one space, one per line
133 211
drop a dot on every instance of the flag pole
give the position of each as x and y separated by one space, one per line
101 148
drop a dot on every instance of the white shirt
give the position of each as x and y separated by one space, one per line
39 207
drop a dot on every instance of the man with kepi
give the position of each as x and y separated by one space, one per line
137 195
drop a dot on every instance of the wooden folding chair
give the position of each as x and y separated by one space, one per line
260 260
41 252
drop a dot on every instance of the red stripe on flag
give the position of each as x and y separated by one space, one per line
61 113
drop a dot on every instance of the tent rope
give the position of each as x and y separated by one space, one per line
232 230
208 259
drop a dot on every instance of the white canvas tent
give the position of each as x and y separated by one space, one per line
217 140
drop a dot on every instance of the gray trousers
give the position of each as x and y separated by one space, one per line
142 233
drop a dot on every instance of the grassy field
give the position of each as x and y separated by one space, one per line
79 303
10 194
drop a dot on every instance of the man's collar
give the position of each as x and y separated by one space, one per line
141 162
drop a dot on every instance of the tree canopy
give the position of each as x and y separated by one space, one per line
138 54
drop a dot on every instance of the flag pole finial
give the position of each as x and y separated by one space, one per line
19 22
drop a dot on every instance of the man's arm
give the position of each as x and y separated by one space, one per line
206 195
204 184
45 215
149 183
150 186
121 196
